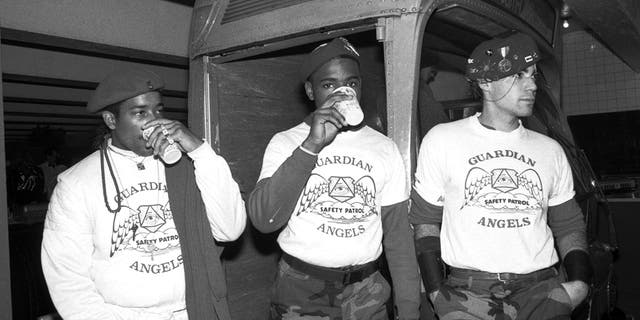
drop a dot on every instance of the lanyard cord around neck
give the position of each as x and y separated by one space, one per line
506 93
103 156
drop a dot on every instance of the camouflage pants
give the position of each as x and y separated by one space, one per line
536 299
296 295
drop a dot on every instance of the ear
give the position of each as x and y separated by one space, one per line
308 89
109 119
484 86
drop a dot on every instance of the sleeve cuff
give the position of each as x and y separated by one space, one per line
428 193
561 199
308 151
423 212
203 151
304 159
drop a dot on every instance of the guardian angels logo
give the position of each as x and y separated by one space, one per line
503 190
339 199
142 229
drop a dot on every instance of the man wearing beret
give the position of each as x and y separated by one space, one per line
339 192
128 236
489 198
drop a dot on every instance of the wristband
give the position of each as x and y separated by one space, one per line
308 151
432 269
578 266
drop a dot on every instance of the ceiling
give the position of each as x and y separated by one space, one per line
47 79
616 23
49 76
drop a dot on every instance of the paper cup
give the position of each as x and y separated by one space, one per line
349 108
171 153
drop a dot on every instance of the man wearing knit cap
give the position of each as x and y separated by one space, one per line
490 197
336 192
128 236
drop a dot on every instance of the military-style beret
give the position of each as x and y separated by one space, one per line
338 47
122 85
502 56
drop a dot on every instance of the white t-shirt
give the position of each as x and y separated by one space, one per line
336 221
495 188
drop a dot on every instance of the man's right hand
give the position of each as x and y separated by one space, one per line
326 122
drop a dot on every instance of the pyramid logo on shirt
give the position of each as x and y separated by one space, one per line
503 190
341 188
339 199
504 180
151 217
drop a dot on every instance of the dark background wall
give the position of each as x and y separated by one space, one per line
626 215
610 140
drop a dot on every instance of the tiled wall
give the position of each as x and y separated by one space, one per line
594 80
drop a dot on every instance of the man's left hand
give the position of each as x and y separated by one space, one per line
167 132
577 291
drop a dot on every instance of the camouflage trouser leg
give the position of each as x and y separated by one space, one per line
296 295
494 300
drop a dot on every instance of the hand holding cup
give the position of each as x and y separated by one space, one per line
169 138
349 107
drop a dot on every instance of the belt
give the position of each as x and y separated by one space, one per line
346 276
503 276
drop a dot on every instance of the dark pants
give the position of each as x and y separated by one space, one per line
536 298
297 295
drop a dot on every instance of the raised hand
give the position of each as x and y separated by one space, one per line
169 132
325 124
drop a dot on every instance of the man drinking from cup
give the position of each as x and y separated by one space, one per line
130 237
336 186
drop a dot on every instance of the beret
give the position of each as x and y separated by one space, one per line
502 56
122 85
338 47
